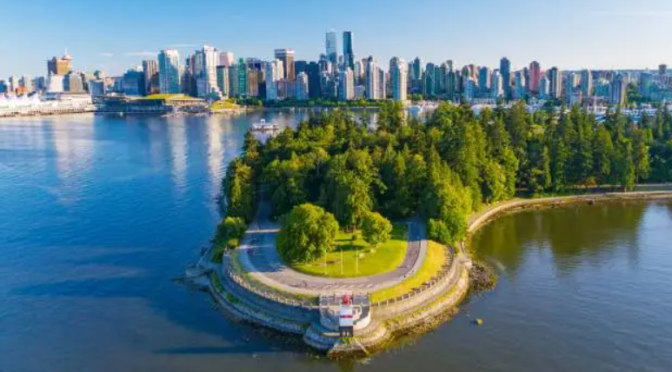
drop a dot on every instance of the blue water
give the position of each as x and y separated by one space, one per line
98 214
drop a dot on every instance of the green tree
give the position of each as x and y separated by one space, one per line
240 190
603 155
307 233
376 229
229 232
640 155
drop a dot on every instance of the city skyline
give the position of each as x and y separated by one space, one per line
595 35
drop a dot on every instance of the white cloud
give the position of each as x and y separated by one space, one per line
141 54
106 54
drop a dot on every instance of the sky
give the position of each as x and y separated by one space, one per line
115 35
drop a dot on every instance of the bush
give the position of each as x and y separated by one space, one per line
229 232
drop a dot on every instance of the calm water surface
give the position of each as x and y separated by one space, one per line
98 214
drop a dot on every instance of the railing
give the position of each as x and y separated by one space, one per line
231 273
447 272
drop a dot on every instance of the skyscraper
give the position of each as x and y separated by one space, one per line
346 81
150 69
314 87
226 59
372 77
554 83
416 76
617 92
519 85
348 52
169 71
543 88
662 69
133 83
505 71
287 58
302 86
274 72
484 81
586 83
331 44
535 76
496 83
399 79
223 80
59 66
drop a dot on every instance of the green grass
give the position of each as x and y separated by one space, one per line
384 258
436 257
224 105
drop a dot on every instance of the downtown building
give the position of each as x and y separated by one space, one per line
399 79
169 72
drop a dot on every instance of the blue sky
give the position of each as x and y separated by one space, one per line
115 35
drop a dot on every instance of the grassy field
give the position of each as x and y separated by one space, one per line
224 105
436 257
385 258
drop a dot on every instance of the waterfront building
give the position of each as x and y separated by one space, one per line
287 58
97 88
314 86
286 89
204 70
348 52
555 83
4 87
150 69
134 82
72 82
169 71
274 72
662 69
398 70
470 88
39 84
55 83
59 66
26 83
223 80
234 90
505 70
302 86
372 78
242 78
254 77
586 83
360 92
535 76
346 82
331 47
359 72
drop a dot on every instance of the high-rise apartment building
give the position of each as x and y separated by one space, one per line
302 86
505 71
150 69
586 83
346 81
398 72
287 58
348 51
223 80
484 81
331 47
169 71
496 89
372 79
617 93
274 72
554 83
226 59
535 76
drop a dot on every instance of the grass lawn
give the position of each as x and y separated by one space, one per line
385 258
436 257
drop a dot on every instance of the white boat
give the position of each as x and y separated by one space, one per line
262 126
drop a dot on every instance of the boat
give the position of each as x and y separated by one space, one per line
263 126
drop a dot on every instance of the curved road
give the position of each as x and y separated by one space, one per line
259 257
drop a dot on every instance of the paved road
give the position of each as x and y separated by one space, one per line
260 258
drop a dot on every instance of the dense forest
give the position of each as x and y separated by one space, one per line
442 169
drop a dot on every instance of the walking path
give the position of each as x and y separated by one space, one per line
259 257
